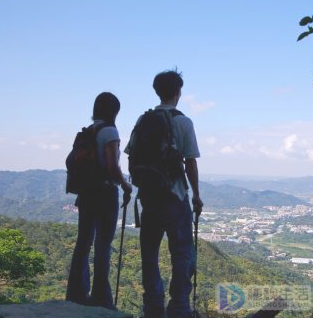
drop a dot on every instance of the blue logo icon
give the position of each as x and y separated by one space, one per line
231 297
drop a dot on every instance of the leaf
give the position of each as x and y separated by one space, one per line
303 35
305 21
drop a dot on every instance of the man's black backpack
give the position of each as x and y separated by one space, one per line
84 172
154 161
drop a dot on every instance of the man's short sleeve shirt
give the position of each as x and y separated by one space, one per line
186 143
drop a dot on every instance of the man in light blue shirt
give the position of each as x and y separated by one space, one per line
173 216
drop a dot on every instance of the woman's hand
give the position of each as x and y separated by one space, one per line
127 188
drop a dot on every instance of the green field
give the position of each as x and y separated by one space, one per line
298 245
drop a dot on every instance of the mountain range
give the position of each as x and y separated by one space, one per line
40 195
300 186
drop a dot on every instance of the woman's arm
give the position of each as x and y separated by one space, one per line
111 150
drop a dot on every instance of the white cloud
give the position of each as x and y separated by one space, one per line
291 148
269 150
49 142
196 106
227 150
289 142
236 148
265 151
51 147
279 149
209 141
272 154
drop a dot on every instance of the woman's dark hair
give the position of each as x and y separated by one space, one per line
106 107
167 84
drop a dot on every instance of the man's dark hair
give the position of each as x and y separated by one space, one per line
167 84
106 107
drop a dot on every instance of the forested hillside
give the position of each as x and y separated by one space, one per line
35 195
56 241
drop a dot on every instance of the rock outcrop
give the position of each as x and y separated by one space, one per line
57 309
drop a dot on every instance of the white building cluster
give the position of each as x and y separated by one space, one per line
244 224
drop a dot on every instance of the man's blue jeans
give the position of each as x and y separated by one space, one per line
98 213
175 218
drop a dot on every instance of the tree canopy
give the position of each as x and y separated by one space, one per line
19 263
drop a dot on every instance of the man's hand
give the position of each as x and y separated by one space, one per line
127 187
197 204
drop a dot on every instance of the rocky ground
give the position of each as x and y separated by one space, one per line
57 309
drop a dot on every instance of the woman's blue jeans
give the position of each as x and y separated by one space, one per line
175 218
98 213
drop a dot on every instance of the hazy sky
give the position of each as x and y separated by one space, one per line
248 85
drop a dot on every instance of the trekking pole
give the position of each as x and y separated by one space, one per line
126 199
196 222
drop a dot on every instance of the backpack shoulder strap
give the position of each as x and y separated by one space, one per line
147 112
175 112
94 129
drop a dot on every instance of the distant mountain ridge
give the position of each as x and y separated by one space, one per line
37 184
40 195
228 196
301 186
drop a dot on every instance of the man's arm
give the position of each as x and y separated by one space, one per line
192 175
